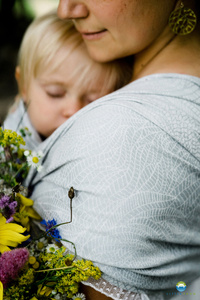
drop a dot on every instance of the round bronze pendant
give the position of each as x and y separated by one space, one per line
182 21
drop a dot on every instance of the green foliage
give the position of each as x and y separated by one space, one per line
13 163
50 271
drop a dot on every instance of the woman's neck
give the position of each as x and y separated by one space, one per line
169 54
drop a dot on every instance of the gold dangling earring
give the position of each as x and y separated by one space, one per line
183 20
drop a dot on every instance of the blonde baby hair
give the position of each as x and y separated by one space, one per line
41 43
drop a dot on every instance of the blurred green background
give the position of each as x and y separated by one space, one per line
15 16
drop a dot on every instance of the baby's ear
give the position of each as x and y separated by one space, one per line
18 79
17 74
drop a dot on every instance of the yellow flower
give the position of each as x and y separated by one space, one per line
9 137
32 260
36 265
40 245
26 212
1 291
10 234
44 290
27 278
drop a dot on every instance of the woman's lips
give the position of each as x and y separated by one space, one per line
93 35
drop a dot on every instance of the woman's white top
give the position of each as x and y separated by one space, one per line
133 158
17 119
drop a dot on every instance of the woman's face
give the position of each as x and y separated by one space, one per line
117 28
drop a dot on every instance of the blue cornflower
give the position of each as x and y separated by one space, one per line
54 231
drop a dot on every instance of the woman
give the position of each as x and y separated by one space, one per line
132 157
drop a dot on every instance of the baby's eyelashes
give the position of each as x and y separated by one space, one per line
55 91
55 95
89 98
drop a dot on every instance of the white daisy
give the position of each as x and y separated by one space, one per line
57 297
33 159
39 168
79 296
26 152
51 248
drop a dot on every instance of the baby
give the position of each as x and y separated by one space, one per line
56 77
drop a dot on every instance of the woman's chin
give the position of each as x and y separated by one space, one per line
101 55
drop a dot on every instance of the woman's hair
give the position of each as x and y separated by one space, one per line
43 40
197 6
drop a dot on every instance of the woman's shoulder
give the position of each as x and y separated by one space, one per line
164 84
155 97
162 105
156 89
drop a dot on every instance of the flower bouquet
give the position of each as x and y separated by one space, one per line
33 262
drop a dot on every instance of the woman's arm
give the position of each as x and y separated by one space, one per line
92 294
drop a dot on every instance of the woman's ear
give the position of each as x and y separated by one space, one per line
18 79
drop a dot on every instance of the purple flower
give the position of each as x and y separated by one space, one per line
8 207
9 220
11 209
13 205
11 262
54 231
4 201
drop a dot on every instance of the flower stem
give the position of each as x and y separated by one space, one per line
62 268
23 167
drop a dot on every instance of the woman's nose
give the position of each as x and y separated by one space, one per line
72 9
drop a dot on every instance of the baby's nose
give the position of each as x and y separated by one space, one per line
71 107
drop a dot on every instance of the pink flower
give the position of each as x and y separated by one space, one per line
11 262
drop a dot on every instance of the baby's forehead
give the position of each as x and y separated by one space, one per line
75 65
